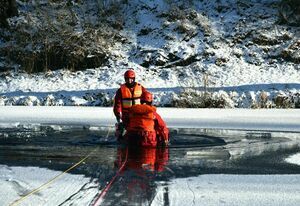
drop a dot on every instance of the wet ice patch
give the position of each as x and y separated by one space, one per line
231 190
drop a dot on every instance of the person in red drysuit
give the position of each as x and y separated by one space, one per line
146 127
127 95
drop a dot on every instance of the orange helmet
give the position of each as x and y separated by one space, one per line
147 97
129 74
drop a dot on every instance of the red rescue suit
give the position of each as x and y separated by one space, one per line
162 132
146 127
140 130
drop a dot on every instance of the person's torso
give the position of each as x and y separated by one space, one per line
131 96
141 117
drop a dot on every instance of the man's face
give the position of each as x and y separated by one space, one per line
129 81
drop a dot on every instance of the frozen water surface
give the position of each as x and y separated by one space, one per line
200 167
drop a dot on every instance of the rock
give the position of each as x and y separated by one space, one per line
145 31
292 53
221 61
262 39
150 58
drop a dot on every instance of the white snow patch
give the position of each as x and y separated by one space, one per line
16 182
242 119
294 159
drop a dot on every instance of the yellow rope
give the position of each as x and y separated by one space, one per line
50 181
16 202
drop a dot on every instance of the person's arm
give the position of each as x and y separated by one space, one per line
118 105
161 129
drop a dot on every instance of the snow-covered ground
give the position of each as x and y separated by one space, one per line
98 86
17 181
242 119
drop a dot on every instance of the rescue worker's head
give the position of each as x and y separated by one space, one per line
147 98
129 77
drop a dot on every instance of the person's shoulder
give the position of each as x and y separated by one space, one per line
142 108
151 108
122 87
143 88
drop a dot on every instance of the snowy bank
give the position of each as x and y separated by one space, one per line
241 119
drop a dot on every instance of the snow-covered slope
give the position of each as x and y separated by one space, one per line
189 54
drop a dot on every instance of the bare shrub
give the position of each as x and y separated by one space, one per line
282 101
263 99
190 98
55 36
174 14
204 24
8 8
